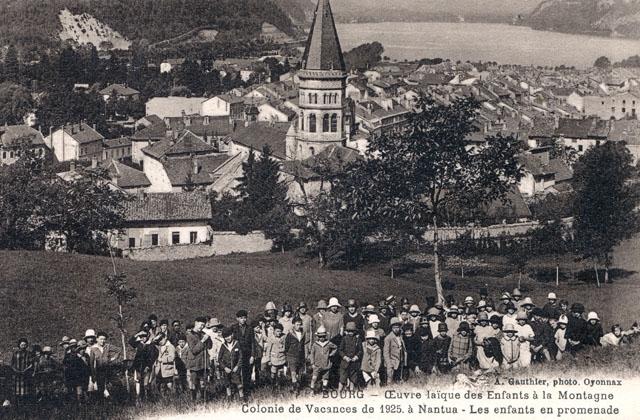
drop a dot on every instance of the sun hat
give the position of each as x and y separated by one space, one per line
468 299
302 305
321 330
89 333
552 295
65 340
370 334
509 328
351 303
414 308
322 304
563 319
390 299
373 318
369 309
516 292
395 321
527 302
481 304
442 327
270 306
505 295
47 349
81 345
73 342
455 309
214 322
593 316
334 302
433 312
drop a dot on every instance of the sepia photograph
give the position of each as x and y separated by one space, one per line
273 209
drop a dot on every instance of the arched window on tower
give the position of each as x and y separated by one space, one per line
324 98
334 123
312 123
335 98
325 123
312 150
302 120
310 98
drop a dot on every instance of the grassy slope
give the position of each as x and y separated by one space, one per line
46 295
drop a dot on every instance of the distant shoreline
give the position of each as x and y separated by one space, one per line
600 34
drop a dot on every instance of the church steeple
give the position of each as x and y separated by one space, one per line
323 51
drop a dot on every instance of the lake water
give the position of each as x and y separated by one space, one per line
506 44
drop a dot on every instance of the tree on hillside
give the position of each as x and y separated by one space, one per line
602 62
411 178
364 56
85 210
25 199
62 105
15 103
604 207
11 65
263 198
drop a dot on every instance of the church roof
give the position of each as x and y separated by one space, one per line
323 51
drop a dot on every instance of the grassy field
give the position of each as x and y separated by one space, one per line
47 295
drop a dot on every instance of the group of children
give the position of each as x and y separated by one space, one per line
358 347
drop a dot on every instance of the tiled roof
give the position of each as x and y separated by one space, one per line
178 168
82 133
11 135
543 127
187 144
167 207
120 90
231 98
582 129
126 176
118 142
627 131
258 134
157 131
323 51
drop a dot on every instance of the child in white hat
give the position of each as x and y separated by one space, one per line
371 358
561 341
322 350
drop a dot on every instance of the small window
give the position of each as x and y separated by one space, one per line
193 237
312 123
312 150
132 242
154 239
4 155
597 142
325 123
613 109
175 238
580 148
624 110
602 102
334 123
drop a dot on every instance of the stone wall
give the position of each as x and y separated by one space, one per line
222 243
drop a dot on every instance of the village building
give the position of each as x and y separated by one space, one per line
543 174
118 148
224 105
183 164
171 64
125 177
119 92
76 142
166 219
174 106
13 138
582 134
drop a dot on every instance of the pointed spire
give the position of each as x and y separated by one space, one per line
323 51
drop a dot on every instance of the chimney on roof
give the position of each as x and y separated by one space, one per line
196 165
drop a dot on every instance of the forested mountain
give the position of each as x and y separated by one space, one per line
35 22
300 11
605 17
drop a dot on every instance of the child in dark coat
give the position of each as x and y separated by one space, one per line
294 350
413 345
350 352
230 362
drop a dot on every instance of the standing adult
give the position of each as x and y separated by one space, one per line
244 334
196 360
22 364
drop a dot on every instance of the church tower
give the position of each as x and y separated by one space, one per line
321 119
